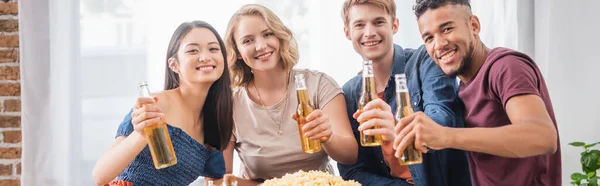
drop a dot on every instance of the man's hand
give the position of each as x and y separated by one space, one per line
423 131
376 113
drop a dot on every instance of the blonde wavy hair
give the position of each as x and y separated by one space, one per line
288 48
389 6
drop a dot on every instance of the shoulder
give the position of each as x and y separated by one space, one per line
164 98
504 60
418 58
238 92
313 74
352 85
317 78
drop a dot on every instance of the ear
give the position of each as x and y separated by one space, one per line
475 24
395 25
347 32
173 65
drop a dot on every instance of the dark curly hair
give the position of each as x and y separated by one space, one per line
422 6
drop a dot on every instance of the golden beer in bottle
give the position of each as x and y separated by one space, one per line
157 135
368 94
303 110
410 155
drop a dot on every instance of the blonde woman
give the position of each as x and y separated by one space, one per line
262 52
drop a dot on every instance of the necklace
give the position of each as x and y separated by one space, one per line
278 122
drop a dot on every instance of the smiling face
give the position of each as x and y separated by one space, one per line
199 57
371 30
257 44
449 32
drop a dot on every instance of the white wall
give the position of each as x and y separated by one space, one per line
563 39
572 68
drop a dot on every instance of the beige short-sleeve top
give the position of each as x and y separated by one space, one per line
264 153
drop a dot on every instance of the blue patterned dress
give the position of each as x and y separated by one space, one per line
193 160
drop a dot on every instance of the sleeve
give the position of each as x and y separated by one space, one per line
512 76
358 171
326 91
126 127
215 165
440 98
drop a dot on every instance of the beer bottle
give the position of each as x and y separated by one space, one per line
157 135
410 155
368 94
303 110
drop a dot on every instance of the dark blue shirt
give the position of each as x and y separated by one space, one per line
193 160
432 92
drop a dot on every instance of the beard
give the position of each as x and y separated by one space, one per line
465 62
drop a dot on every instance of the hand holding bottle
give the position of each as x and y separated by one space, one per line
376 119
145 113
421 129
317 125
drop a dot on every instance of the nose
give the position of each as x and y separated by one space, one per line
204 57
260 45
369 31
440 43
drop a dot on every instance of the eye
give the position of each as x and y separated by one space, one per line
246 41
446 30
358 25
269 34
214 49
192 50
379 22
428 39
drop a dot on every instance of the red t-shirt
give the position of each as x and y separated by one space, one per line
504 74
387 148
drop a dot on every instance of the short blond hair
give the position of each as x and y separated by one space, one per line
388 6
288 50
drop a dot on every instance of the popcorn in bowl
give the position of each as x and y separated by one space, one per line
310 178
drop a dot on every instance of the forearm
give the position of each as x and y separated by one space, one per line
117 158
511 141
342 149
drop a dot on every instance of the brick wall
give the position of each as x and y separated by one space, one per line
10 94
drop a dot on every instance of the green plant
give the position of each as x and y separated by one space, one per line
590 163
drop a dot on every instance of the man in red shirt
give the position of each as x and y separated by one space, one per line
511 132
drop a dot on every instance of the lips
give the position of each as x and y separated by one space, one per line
448 56
264 56
370 43
206 68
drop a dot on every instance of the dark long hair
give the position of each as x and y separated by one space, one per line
218 107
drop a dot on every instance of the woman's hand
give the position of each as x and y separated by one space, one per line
317 125
145 113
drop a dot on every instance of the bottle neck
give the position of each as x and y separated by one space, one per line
143 90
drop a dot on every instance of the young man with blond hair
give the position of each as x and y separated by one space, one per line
370 25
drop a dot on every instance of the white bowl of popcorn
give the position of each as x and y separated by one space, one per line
310 178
